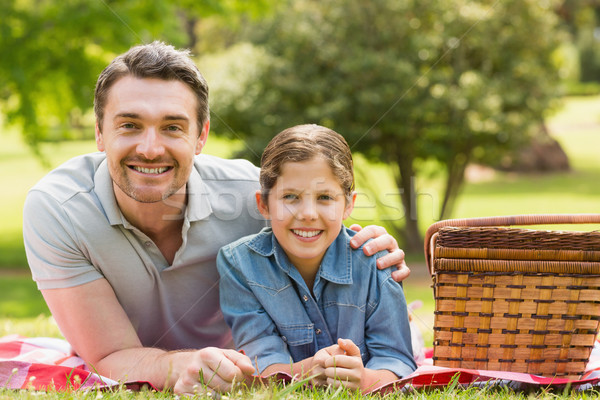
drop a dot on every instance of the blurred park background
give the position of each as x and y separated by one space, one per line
453 108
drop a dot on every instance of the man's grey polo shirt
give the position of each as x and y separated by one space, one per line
75 233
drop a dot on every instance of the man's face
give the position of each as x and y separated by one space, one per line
150 136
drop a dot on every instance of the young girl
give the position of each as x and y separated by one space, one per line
295 295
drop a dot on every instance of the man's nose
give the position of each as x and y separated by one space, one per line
150 145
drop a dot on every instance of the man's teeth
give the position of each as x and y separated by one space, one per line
151 170
306 234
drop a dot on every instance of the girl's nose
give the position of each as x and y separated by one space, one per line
307 210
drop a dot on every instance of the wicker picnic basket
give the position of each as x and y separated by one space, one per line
512 299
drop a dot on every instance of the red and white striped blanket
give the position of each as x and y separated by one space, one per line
49 364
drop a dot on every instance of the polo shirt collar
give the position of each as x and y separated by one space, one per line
103 186
198 206
336 266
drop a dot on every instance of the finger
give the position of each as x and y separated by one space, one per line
194 388
343 362
342 374
220 371
336 383
334 350
393 258
317 373
198 381
241 361
349 347
401 274
355 227
381 243
366 233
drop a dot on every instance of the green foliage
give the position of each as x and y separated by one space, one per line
456 81
582 18
56 51
53 52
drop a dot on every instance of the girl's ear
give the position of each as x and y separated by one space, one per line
262 205
350 206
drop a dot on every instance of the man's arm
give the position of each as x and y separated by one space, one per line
381 241
94 323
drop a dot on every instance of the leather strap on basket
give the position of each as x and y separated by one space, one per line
508 220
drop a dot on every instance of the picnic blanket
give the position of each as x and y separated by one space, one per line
49 364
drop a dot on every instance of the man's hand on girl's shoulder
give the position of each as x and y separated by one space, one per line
381 241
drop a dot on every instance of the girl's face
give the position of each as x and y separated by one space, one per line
306 208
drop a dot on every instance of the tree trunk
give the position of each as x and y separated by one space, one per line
454 182
404 178
190 29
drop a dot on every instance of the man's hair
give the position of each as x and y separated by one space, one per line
154 60
302 143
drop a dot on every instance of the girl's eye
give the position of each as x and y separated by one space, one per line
325 197
289 196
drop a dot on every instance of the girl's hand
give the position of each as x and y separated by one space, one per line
318 364
345 369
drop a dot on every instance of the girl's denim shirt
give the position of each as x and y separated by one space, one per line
276 319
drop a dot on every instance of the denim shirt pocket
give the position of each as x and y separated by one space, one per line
299 339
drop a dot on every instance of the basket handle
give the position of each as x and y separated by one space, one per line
507 220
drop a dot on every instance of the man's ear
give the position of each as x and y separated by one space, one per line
350 206
203 137
263 208
99 138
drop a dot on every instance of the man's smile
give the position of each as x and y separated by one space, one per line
155 171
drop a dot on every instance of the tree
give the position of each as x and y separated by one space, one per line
404 81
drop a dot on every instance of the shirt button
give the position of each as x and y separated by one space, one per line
148 244
284 338
305 298
318 331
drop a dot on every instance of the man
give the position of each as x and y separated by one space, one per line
122 243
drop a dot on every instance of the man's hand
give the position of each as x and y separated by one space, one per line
381 241
345 369
218 369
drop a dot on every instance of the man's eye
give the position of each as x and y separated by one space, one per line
173 128
128 125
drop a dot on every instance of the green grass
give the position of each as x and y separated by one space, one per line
296 390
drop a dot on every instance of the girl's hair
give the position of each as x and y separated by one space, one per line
301 143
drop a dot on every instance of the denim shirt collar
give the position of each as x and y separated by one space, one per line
336 265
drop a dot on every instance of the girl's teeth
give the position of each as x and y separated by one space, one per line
306 234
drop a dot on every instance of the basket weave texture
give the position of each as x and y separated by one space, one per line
512 299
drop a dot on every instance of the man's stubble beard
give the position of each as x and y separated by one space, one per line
140 196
